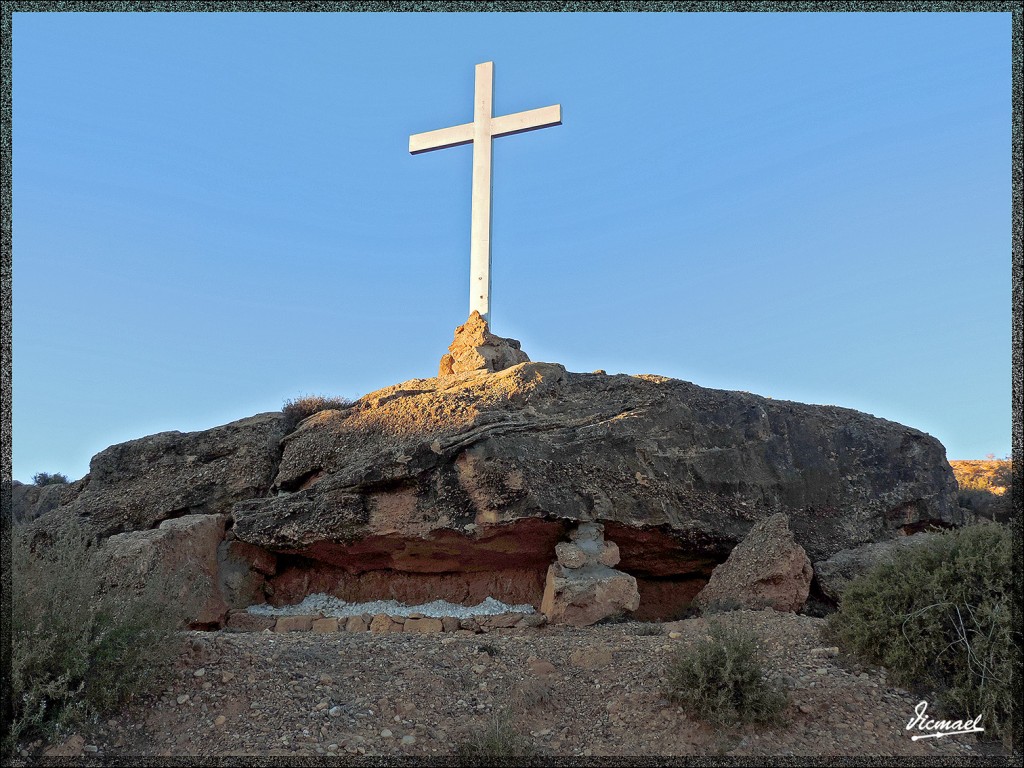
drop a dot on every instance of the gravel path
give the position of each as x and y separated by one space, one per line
572 691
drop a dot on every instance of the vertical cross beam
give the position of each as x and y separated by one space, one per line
481 132
480 231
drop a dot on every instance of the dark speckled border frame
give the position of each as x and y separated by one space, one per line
9 8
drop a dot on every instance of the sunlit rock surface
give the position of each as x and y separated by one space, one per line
460 487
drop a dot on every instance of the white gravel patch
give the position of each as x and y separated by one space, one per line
335 607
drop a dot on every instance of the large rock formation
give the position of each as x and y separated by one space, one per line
768 569
138 484
461 486
467 456
181 555
478 473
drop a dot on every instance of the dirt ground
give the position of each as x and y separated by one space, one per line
594 691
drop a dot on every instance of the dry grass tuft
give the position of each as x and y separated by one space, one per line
305 406
532 693
497 743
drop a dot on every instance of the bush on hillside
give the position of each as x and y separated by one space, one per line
77 652
721 679
45 478
303 407
940 616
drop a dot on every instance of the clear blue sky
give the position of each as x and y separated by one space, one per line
216 212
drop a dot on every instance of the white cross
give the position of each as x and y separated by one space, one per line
480 132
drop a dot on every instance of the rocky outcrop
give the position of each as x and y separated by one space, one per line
136 485
768 569
29 501
582 587
835 573
243 571
475 348
481 472
182 555
462 486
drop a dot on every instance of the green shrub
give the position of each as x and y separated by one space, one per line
940 616
78 653
721 680
45 478
303 407
498 743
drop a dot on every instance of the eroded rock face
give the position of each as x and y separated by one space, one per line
441 467
451 486
29 501
768 569
181 552
475 348
514 586
135 485
243 572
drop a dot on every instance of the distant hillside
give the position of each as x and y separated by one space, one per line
985 486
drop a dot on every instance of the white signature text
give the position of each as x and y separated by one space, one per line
940 727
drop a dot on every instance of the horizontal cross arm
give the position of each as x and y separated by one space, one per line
440 139
530 120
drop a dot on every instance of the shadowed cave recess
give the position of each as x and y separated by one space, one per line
508 563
